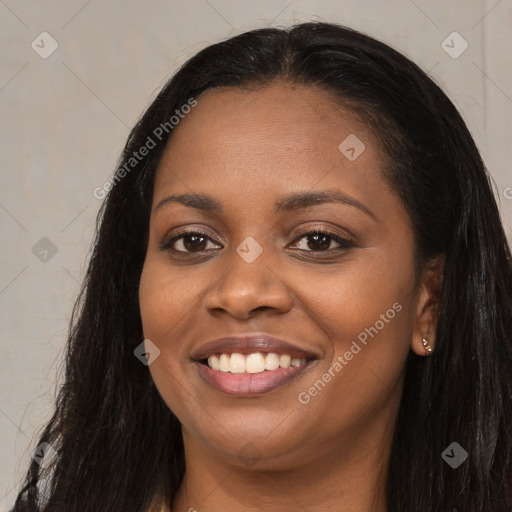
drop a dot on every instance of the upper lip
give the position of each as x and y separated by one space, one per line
248 344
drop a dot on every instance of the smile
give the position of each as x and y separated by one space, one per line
252 363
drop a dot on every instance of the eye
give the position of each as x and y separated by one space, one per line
189 242
321 241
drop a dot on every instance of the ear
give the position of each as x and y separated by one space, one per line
427 306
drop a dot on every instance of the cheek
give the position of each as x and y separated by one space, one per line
157 307
165 300
169 302
358 297
366 311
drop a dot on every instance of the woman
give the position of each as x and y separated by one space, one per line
299 298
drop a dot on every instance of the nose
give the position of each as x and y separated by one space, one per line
246 288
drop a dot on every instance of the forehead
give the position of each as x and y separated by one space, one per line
289 116
279 136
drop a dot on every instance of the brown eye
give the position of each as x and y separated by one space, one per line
190 243
195 242
318 241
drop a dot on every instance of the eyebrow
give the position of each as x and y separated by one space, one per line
293 202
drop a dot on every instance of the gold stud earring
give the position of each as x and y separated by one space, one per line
426 346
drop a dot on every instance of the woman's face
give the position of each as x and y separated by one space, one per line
280 226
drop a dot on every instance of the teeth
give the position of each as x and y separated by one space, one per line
237 363
252 363
224 363
284 361
214 363
271 361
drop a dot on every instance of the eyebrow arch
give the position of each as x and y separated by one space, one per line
198 201
293 202
302 200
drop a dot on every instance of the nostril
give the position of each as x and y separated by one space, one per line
261 308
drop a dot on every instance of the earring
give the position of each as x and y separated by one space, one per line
426 346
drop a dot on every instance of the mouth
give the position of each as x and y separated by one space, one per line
251 366
255 362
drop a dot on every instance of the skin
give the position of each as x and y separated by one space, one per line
248 149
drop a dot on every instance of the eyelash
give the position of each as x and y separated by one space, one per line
344 243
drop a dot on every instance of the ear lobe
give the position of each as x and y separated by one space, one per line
427 307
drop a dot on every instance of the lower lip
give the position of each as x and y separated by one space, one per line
249 384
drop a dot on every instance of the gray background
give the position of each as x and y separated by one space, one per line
64 120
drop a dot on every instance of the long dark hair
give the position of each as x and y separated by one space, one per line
118 445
